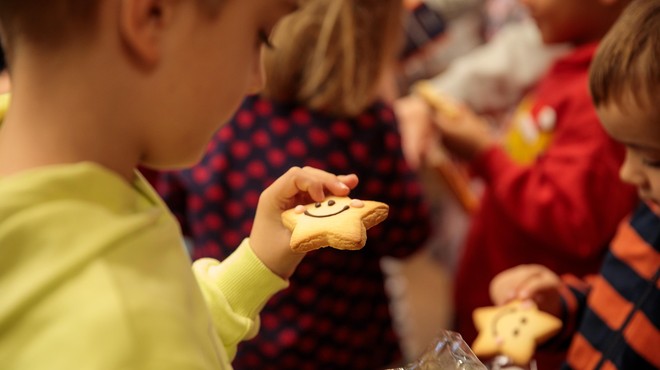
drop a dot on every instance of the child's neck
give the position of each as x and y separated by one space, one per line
58 122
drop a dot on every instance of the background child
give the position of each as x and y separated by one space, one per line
612 320
320 108
92 269
543 198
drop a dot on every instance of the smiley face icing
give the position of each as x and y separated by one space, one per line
512 330
338 222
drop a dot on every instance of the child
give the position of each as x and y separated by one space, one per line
335 315
543 198
612 320
93 273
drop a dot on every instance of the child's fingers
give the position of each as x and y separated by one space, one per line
534 287
312 181
507 285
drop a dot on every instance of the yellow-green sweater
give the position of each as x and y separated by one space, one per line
94 275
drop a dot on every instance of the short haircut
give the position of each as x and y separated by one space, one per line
627 62
44 22
331 54
49 23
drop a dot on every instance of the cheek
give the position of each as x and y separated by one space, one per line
654 180
236 81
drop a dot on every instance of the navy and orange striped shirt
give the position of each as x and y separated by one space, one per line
617 313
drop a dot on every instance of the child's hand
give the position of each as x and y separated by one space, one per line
525 282
269 239
416 127
466 135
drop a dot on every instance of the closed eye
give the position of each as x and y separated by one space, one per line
651 163
265 40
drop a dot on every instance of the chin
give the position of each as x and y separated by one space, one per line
171 163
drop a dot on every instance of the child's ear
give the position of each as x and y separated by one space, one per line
140 27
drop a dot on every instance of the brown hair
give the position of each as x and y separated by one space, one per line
44 22
627 59
331 54
49 23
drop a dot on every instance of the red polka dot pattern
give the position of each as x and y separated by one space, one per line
335 313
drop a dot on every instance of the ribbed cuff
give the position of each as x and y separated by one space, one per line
246 282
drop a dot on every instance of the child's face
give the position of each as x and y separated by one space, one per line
639 131
562 20
212 65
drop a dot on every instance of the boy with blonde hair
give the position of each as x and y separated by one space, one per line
93 271
612 320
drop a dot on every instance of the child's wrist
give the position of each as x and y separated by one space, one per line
281 260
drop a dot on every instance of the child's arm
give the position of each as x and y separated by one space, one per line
237 288
564 297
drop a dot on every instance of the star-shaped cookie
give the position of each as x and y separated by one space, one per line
512 330
338 222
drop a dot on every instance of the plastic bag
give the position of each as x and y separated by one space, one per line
447 352
504 363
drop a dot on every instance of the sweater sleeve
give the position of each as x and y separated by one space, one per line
574 292
236 290
570 199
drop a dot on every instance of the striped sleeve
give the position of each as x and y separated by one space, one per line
619 327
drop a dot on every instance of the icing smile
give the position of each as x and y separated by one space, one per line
330 204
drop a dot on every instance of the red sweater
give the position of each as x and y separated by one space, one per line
552 196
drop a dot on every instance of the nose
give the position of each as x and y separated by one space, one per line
630 170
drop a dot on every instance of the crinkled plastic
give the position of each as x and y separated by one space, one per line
504 363
447 352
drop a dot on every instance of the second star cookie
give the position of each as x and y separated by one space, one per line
513 330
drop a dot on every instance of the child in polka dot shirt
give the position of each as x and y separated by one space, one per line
335 314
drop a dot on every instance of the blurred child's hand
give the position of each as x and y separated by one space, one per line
269 238
524 282
465 135
416 127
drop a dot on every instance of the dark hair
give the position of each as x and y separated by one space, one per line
45 22
627 59
49 23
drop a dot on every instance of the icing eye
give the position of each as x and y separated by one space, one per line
331 203
523 320
317 205
515 333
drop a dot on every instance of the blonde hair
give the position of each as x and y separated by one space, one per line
627 59
331 54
